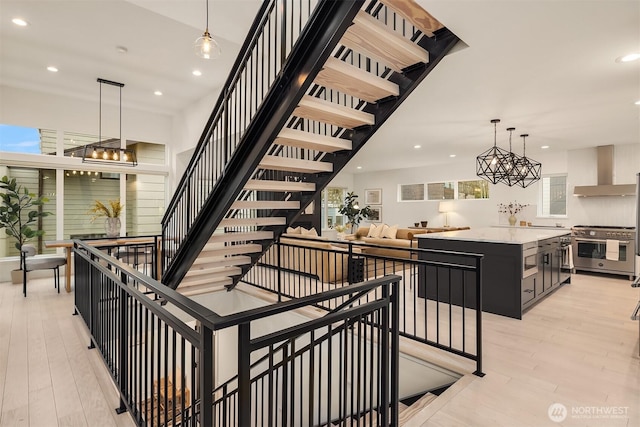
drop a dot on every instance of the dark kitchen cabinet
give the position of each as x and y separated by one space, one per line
550 272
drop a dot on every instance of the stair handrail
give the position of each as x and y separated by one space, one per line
229 140
351 300
250 40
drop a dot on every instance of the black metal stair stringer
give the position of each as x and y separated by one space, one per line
438 46
321 35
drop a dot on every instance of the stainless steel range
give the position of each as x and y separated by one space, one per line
604 249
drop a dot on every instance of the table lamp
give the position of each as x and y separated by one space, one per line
445 208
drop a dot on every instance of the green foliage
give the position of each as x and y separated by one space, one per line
16 214
352 211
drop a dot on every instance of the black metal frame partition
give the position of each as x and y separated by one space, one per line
292 269
164 365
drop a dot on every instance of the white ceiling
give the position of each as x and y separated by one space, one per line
546 68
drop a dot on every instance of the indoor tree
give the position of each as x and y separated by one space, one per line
352 211
20 211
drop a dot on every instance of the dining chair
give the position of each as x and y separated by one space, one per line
28 262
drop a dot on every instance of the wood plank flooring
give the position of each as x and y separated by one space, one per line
578 348
48 377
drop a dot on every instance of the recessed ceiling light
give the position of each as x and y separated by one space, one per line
20 22
637 102
629 57
452 155
157 93
544 147
197 73
358 167
52 69
417 146
121 49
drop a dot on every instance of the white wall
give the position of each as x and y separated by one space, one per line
41 110
580 165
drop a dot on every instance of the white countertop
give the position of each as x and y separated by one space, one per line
514 235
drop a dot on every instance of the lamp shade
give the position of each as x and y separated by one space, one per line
444 207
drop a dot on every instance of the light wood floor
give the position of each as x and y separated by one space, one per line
48 377
578 348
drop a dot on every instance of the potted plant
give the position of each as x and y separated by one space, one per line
111 213
19 211
352 211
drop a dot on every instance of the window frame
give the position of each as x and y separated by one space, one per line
541 189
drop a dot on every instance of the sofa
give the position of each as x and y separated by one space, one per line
404 239
311 254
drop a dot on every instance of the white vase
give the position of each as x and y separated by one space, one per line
112 227
512 220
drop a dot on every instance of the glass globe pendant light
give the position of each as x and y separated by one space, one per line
206 47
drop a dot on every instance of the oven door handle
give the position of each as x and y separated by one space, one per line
624 242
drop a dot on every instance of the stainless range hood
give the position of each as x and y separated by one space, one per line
605 186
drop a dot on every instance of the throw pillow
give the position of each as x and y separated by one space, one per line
390 232
374 231
296 230
312 232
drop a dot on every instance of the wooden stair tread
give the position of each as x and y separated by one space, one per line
414 13
284 186
214 272
199 280
204 288
419 405
346 78
265 204
253 222
313 108
219 261
241 236
294 165
312 141
232 250
372 38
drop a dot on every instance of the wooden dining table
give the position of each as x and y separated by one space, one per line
68 249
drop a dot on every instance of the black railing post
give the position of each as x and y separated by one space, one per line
283 32
123 341
244 374
478 371
385 362
92 302
395 352
205 375
279 270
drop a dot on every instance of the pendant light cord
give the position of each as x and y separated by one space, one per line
207 16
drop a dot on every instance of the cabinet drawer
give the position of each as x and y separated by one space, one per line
528 289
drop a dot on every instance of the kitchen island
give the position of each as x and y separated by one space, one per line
520 267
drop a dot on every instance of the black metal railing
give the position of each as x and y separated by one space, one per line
160 349
438 300
140 252
285 49
269 43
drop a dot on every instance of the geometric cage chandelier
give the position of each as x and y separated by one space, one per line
492 164
498 165
529 170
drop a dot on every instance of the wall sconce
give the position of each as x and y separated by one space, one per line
445 208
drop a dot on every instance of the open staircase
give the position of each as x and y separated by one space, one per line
309 88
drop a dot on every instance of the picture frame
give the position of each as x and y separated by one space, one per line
376 214
373 196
